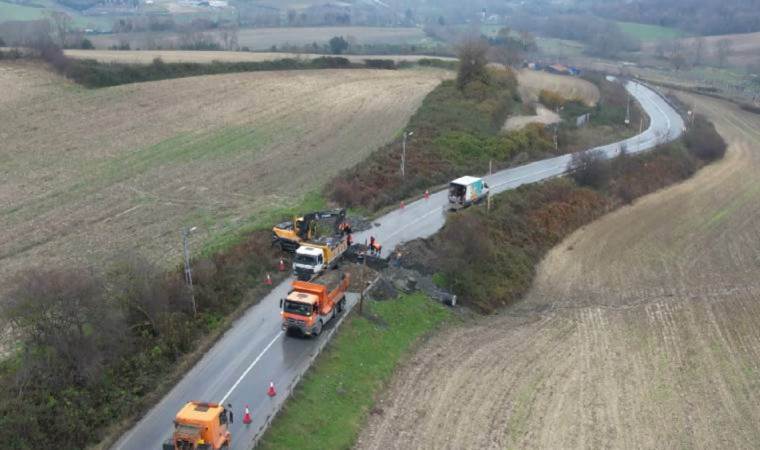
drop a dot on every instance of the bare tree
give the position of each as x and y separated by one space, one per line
472 62
66 321
723 50
61 25
698 50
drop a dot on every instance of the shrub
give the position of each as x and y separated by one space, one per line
86 44
388 64
551 99
703 141
590 168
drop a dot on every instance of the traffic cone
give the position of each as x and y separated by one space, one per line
282 265
269 280
271 392
427 194
247 416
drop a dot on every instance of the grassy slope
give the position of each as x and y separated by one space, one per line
330 404
644 32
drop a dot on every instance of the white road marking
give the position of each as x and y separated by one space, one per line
221 402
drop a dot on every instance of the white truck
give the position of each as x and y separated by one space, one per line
467 190
314 257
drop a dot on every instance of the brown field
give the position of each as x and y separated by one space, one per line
147 56
265 38
87 173
642 330
745 47
532 82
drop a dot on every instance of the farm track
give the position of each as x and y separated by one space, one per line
641 331
90 173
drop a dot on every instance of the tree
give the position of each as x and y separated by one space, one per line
698 50
590 169
69 326
723 49
472 62
87 44
338 45
61 25
229 36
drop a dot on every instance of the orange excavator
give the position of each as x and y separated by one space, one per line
200 426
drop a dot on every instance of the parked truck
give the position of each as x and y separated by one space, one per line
465 191
312 304
289 235
316 256
200 426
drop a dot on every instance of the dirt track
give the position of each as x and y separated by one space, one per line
642 330
87 173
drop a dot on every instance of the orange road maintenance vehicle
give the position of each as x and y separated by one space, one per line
312 304
200 426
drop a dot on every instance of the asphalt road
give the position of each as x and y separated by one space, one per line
255 351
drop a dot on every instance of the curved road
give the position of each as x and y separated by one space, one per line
254 351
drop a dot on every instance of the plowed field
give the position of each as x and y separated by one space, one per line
85 174
642 330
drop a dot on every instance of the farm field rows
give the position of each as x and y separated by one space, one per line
125 168
642 330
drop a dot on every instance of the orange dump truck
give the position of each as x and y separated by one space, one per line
312 304
200 426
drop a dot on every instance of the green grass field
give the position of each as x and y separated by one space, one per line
12 11
644 32
330 404
559 47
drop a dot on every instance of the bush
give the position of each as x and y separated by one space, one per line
338 45
590 169
388 64
551 99
86 44
703 141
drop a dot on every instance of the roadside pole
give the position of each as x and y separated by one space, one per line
188 272
361 293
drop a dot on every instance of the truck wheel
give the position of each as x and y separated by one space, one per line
318 329
341 305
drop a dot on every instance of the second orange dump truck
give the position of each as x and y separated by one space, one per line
312 304
200 426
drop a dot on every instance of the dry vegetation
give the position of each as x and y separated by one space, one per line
532 82
88 172
640 331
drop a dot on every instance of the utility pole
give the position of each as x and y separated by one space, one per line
188 273
403 152
628 110
362 287
490 167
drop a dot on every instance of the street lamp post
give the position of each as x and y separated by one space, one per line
403 152
188 273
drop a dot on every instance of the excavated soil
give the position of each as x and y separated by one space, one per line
642 330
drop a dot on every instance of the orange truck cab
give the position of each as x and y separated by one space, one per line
200 426
312 304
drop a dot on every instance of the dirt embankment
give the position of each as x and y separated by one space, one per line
642 330
543 116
